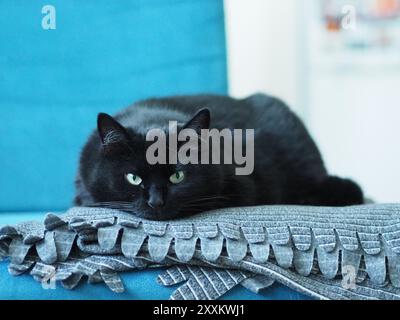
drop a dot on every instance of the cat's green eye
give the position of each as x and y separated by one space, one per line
133 179
177 177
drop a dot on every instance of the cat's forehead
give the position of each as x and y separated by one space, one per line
137 158
140 164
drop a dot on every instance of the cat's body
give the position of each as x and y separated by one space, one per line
288 168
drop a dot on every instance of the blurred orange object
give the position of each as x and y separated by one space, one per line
332 24
387 8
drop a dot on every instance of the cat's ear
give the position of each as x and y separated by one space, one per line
113 135
201 120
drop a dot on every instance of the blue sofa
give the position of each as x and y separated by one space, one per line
102 56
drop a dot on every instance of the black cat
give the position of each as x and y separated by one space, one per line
288 168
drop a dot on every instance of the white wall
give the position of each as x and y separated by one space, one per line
355 120
354 117
263 44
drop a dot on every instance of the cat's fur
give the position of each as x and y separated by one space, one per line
288 168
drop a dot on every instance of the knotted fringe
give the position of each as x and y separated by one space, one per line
319 243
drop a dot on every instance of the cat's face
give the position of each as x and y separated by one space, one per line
121 175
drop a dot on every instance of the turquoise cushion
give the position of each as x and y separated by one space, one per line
139 284
102 56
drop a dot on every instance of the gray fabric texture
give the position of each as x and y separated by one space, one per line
327 253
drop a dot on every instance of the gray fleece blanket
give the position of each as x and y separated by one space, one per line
327 253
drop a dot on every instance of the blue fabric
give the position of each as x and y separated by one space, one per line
102 56
139 285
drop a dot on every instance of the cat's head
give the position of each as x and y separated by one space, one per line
115 170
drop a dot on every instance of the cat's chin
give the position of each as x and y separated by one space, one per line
156 215
161 215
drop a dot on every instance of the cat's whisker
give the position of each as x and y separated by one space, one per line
208 200
214 197
117 205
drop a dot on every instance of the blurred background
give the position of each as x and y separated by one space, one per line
337 63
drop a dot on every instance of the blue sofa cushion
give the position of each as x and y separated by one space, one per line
138 284
102 56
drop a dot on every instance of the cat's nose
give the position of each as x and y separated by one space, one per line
155 197
155 202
